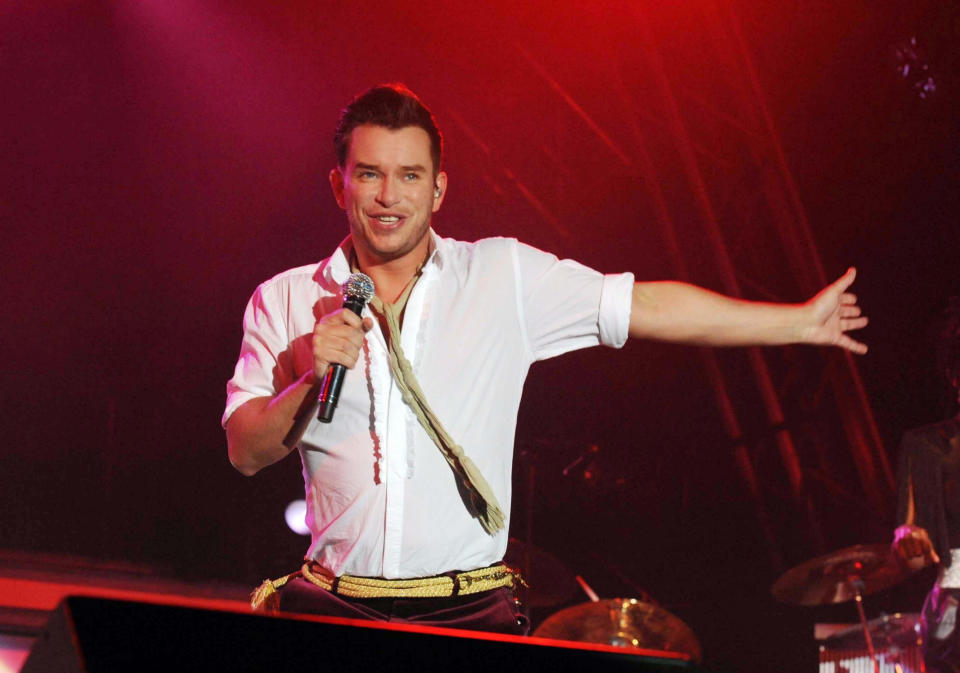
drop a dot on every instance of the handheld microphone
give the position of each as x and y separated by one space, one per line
357 291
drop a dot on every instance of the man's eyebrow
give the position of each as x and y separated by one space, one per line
414 168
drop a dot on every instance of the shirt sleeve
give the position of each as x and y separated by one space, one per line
566 305
261 370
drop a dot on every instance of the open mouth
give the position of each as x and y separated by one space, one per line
387 220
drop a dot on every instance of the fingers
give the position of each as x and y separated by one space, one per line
848 298
926 546
849 314
852 345
899 547
850 319
337 339
849 311
913 546
853 323
912 543
846 280
344 316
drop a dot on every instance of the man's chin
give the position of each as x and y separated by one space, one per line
383 249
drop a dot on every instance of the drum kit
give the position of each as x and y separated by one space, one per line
843 575
847 574
620 622
850 574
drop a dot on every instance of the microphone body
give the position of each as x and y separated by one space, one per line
357 291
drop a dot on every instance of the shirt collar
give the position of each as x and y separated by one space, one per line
335 270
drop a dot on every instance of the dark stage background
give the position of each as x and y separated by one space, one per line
163 157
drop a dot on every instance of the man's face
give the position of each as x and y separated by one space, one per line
389 192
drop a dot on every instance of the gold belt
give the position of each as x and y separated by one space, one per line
437 586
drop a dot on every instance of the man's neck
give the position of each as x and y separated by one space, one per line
391 277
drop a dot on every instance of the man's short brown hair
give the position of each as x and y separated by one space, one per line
392 106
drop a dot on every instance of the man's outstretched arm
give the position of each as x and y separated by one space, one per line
683 313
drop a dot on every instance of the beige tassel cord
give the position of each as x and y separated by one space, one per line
483 502
485 505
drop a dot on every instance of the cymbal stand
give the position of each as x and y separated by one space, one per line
857 584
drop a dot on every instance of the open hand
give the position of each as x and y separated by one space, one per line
835 312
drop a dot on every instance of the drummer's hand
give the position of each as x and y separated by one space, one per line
913 548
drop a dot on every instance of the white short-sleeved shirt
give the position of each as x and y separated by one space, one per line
381 499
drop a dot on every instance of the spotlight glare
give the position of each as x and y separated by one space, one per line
296 515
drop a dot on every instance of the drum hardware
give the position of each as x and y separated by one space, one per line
587 589
551 582
842 575
898 631
622 622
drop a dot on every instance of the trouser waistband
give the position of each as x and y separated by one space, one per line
437 586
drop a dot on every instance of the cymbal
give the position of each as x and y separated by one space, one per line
623 622
900 630
551 582
827 579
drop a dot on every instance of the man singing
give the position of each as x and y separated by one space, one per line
408 488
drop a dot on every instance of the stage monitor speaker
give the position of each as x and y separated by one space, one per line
96 635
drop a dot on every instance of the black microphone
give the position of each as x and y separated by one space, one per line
357 291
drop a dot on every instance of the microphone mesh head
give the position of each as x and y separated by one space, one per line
358 286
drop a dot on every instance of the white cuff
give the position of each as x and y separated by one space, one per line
616 300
